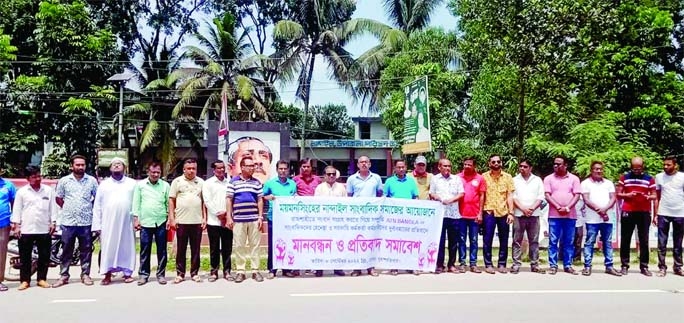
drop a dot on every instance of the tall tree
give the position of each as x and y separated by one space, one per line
225 69
319 28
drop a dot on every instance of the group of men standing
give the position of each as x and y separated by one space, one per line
232 209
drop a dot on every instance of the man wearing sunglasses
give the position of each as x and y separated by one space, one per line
331 188
562 191
498 213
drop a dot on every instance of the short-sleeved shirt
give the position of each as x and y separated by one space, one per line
8 193
402 188
447 188
528 192
276 187
364 187
562 189
498 188
671 189
188 195
599 195
473 186
245 194
336 189
423 183
304 187
643 184
78 196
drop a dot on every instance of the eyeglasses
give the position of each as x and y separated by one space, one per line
446 166
495 162
330 174
248 166
557 164
524 166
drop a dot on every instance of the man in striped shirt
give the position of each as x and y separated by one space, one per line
245 207
637 190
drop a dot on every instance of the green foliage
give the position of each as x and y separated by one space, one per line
427 53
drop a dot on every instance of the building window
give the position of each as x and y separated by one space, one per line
364 130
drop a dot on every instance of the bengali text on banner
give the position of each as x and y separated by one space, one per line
355 233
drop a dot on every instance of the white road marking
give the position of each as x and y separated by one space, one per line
488 292
183 298
85 300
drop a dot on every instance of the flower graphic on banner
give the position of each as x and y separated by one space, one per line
290 258
340 245
432 250
280 247
421 260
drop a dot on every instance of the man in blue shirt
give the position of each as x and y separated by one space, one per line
279 186
7 194
75 195
402 187
364 184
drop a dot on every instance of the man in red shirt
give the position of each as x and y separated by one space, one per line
471 213
306 186
637 190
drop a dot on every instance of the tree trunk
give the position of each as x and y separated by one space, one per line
307 94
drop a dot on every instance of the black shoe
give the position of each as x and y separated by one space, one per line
356 273
646 272
339 273
586 271
538 270
570 271
515 270
318 273
240 278
612 271
624 271
394 272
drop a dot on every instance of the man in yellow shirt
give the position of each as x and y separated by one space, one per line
422 177
498 213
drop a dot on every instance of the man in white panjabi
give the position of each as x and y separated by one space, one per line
112 216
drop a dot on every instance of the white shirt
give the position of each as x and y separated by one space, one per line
447 188
528 192
671 189
214 193
34 210
325 189
599 195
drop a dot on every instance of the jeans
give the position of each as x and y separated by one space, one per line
490 223
42 242
450 231
642 222
85 247
220 248
606 231
4 239
577 243
677 234
529 225
188 233
563 231
147 236
468 229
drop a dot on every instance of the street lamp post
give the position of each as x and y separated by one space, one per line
121 78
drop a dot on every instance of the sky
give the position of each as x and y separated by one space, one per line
324 90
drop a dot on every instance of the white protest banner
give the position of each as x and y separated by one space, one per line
355 233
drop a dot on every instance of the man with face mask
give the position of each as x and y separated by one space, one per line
112 216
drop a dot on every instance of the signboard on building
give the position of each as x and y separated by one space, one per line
417 137
105 156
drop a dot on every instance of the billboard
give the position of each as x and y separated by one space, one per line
417 137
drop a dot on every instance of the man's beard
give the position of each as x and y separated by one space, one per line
79 171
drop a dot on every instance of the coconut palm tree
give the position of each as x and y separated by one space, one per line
406 16
319 29
221 67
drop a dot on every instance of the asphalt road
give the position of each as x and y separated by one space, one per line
526 297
